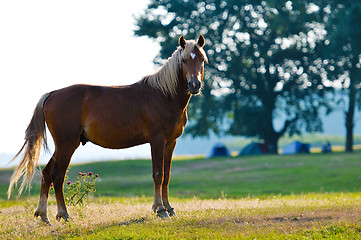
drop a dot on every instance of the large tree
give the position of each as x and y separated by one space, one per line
262 63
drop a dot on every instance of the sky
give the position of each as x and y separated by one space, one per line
47 45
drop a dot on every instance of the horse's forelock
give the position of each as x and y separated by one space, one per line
190 46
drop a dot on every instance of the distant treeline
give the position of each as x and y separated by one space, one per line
316 141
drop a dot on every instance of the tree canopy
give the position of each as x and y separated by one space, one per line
264 63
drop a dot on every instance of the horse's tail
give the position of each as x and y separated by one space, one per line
35 135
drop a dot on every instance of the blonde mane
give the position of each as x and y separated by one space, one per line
166 78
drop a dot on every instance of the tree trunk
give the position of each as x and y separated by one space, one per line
273 143
350 117
272 136
275 136
269 135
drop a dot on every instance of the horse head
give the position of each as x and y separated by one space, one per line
193 64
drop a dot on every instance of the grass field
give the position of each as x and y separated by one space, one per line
266 197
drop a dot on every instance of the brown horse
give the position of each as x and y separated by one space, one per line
153 110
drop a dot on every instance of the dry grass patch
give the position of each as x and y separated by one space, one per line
301 216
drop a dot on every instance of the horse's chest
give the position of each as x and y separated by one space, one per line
179 125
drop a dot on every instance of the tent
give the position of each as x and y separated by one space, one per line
326 148
219 150
296 147
255 148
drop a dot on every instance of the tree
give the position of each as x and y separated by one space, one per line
344 52
262 63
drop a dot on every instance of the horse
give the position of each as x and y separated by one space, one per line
152 110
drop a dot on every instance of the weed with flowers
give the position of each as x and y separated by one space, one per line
77 191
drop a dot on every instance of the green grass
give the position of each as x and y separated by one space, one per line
311 196
232 177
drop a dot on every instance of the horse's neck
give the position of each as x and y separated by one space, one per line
183 96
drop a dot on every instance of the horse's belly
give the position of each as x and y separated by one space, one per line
120 145
117 143
114 138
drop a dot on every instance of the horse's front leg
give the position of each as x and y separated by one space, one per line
167 169
157 148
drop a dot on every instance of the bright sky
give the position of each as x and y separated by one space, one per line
46 45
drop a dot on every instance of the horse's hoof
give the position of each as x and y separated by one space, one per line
46 222
162 213
171 212
63 215
44 218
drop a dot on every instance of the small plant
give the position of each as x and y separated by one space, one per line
77 191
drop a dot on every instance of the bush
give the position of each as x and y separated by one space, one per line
78 191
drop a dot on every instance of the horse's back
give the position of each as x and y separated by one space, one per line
79 98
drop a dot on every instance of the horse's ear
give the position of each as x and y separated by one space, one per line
201 40
182 42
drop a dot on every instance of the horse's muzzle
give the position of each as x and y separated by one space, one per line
194 85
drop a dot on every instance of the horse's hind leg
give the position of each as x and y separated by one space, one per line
64 153
46 181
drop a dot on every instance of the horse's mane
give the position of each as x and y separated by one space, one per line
166 78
